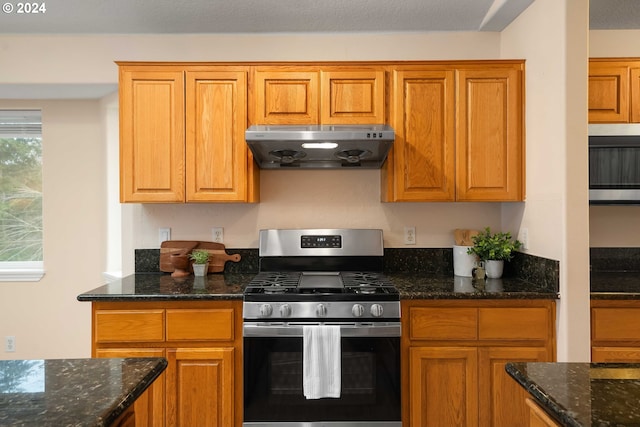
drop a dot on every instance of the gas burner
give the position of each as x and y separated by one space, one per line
364 278
275 289
276 280
365 289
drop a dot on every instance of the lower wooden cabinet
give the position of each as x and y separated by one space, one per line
457 351
200 378
615 331
202 341
126 419
538 417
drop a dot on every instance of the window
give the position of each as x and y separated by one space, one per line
20 195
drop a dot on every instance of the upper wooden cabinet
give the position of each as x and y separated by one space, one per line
614 90
151 134
182 134
459 125
459 134
318 95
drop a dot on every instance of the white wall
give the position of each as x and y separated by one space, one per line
556 212
614 226
44 316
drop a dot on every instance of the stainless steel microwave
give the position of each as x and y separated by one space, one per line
614 164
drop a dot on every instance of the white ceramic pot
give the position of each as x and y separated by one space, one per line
200 269
494 268
463 262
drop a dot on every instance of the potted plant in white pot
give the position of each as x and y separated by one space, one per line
200 259
494 249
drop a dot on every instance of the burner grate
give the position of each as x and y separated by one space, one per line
366 278
276 279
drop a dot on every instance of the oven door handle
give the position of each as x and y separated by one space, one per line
347 329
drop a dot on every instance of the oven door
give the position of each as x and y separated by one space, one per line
614 164
370 393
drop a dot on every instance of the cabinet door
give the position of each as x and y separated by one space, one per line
352 97
421 166
635 95
501 398
200 384
216 152
443 386
537 417
608 92
151 135
489 144
149 407
286 97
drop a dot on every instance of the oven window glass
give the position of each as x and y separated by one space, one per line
614 163
273 382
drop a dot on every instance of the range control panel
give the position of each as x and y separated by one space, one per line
334 241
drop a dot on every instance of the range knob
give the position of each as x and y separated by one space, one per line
266 310
321 310
285 310
357 310
376 310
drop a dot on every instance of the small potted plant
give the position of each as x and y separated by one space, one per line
494 249
200 259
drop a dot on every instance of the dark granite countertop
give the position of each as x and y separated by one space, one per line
423 286
583 394
162 287
72 392
615 285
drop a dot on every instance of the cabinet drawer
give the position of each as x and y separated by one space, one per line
428 323
199 324
615 324
615 355
514 323
129 325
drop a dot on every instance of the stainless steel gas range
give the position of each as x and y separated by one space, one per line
321 332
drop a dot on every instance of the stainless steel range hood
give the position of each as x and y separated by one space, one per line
320 146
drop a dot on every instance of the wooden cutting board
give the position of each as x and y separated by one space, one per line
177 247
217 254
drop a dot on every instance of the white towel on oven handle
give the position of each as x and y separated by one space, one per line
321 365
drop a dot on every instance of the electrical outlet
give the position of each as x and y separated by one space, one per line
218 234
523 237
410 235
164 234
10 344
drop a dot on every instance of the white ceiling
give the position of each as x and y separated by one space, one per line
264 16
273 16
269 16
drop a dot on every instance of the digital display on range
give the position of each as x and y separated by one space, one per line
333 241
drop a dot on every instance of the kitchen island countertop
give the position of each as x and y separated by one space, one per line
72 392
162 287
583 394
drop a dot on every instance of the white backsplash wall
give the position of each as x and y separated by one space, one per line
312 198
614 226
